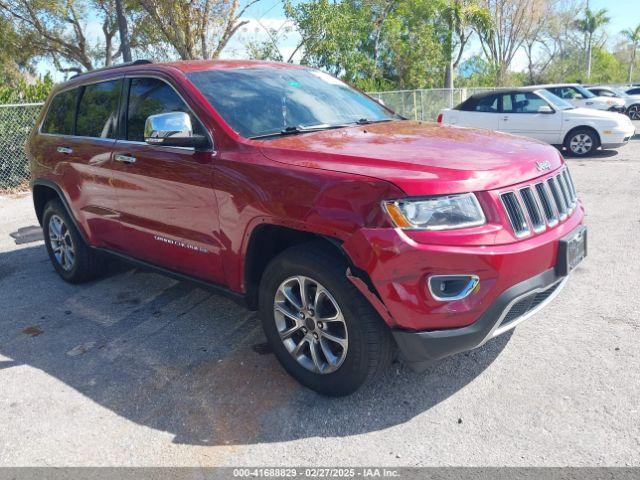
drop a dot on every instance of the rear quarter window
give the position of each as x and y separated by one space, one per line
59 119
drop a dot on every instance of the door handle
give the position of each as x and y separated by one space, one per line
504 119
65 150
125 158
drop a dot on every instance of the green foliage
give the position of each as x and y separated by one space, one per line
26 92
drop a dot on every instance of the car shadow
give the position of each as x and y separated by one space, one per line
170 356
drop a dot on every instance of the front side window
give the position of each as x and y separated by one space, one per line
59 119
151 96
98 109
264 101
525 102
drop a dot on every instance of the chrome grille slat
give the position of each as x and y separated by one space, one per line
558 198
540 205
544 195
533 210
515 213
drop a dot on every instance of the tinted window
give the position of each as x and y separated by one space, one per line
525 102
150 96
262 101
487 104
98 110
59 118
634 91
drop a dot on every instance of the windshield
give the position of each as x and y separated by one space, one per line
620 92
555 101
585 93
264 101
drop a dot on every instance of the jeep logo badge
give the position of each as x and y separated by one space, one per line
546 165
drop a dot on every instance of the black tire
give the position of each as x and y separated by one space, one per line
87 264
633 112
370 347
588 142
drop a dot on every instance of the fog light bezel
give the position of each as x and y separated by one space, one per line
472 282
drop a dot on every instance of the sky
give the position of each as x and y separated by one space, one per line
269 14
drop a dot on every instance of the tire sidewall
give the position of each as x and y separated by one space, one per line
581 131
353 371
55 208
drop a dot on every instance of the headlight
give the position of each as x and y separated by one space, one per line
436 213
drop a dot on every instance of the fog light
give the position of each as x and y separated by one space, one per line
448 288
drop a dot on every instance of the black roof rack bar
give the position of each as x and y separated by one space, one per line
113 67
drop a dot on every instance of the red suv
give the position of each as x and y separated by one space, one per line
353 231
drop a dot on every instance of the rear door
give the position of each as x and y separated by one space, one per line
166 202
521 116
79 130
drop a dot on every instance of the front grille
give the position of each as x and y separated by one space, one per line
528 303
541 205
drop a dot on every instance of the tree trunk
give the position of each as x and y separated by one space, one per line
633 60
448 75
588 58
125 47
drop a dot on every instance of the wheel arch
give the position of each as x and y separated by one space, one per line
583 127
267 240
43 191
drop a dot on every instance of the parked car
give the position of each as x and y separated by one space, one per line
537 113
580 97
631 102
352 231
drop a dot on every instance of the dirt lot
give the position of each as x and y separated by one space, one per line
139 369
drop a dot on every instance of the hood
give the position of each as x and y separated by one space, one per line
607 101
420 158
599 115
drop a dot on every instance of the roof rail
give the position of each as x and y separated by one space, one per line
113 67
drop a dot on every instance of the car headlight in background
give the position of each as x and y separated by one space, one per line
443 212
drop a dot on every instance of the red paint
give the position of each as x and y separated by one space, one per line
194 212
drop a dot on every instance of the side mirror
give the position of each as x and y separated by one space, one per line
172 129
545 109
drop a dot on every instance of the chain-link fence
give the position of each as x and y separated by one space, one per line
16 121
425 104
15 124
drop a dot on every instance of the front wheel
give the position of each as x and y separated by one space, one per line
581 142
634 112
323 332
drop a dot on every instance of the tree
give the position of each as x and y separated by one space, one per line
123 29
197 28
461 17
512 21
633 36
589 25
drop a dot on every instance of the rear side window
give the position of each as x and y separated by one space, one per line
150 96
59 119
487 104
98 110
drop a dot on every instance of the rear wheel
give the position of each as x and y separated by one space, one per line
581 142
634 112
71 257
325 334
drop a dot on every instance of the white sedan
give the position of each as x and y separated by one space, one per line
537 113
631 102
580 97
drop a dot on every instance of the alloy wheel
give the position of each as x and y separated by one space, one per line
634 112
61 243
581 144
310 324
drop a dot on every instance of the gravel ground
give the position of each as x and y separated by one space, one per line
140 370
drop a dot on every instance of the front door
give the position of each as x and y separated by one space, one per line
521 115
167 207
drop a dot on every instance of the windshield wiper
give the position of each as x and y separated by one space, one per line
297 129
366 121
